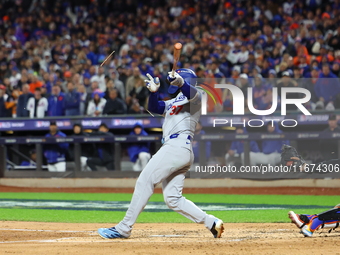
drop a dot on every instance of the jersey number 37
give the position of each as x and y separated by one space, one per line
176 109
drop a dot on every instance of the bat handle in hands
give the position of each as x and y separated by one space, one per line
175 80
171 76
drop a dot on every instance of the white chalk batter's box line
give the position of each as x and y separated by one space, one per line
38 241
69 239
47 230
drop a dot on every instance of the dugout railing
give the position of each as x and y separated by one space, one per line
118 141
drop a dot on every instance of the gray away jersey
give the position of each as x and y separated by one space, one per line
181 115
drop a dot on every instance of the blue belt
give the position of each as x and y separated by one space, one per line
173 136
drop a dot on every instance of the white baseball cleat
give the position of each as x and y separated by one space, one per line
217 228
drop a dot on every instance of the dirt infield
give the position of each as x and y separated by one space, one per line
253 190
160 238
189 238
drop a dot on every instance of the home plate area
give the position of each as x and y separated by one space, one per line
161 238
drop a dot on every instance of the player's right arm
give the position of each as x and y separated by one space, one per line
154 105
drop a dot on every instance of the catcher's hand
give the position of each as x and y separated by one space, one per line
290 157
152 84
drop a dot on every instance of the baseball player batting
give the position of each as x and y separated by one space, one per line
309 223
169 165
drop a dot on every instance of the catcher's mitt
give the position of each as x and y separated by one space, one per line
290 157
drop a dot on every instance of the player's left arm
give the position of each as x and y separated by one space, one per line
193 95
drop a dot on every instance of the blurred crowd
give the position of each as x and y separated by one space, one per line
51 52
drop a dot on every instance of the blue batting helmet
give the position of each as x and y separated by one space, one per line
189 77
